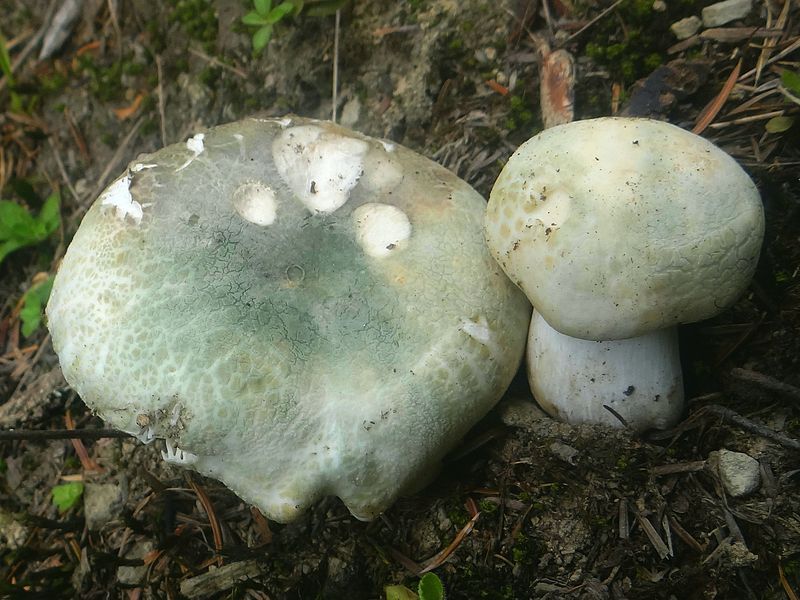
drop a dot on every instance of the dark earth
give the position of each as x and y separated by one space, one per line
525 507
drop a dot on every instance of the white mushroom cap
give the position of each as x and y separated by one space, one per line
639 378
614 227
296 309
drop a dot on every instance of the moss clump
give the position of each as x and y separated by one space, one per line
197 18
634 49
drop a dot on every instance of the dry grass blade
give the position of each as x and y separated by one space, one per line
790 593
440 557
216 530
710 112
770 44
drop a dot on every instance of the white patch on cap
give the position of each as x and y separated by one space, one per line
381 228
388 146
118 195
255 202
477 329
196 145
284 122
141 167
240 140
176 456
321 168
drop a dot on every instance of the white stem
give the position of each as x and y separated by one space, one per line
638 378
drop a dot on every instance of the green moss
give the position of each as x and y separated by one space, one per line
487 506
104 81
197 18
634 43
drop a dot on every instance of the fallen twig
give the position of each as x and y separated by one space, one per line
60 434
766 382
731 417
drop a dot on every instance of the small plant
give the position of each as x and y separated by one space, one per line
429 588
5 69
66 495
265 16
790 87
19 228
33 304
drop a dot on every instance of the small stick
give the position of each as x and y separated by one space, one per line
160 94
729 416
218 63
335 91
766 382
592 22
62 169
60 434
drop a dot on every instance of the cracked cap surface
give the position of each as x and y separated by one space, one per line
251 315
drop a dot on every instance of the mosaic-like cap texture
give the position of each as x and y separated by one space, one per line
297 309
616 227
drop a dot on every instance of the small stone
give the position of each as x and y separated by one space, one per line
101 504
725 12
12 533
659 6
134 575
686 28
739 472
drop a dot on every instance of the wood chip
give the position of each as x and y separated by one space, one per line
220 579
557 88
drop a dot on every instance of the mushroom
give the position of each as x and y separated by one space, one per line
616 228
296 309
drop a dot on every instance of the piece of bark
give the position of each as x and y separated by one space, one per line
29 405
557 88
658 93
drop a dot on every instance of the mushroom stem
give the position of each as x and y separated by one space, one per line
638 379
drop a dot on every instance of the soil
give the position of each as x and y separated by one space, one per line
528 507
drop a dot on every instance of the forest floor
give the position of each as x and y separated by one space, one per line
527 507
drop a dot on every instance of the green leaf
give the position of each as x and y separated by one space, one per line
261 38
5 62
18 228
66 495
779 124
298 6
254 19
262 6
15 221
50 214
791 81
430 587
325 8
280 11
8 247
399 592
35 300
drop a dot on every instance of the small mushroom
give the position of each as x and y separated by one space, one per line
296 309
616 228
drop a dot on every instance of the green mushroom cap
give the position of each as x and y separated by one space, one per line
297 309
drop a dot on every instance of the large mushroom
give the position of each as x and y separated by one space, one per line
616 228
297 309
